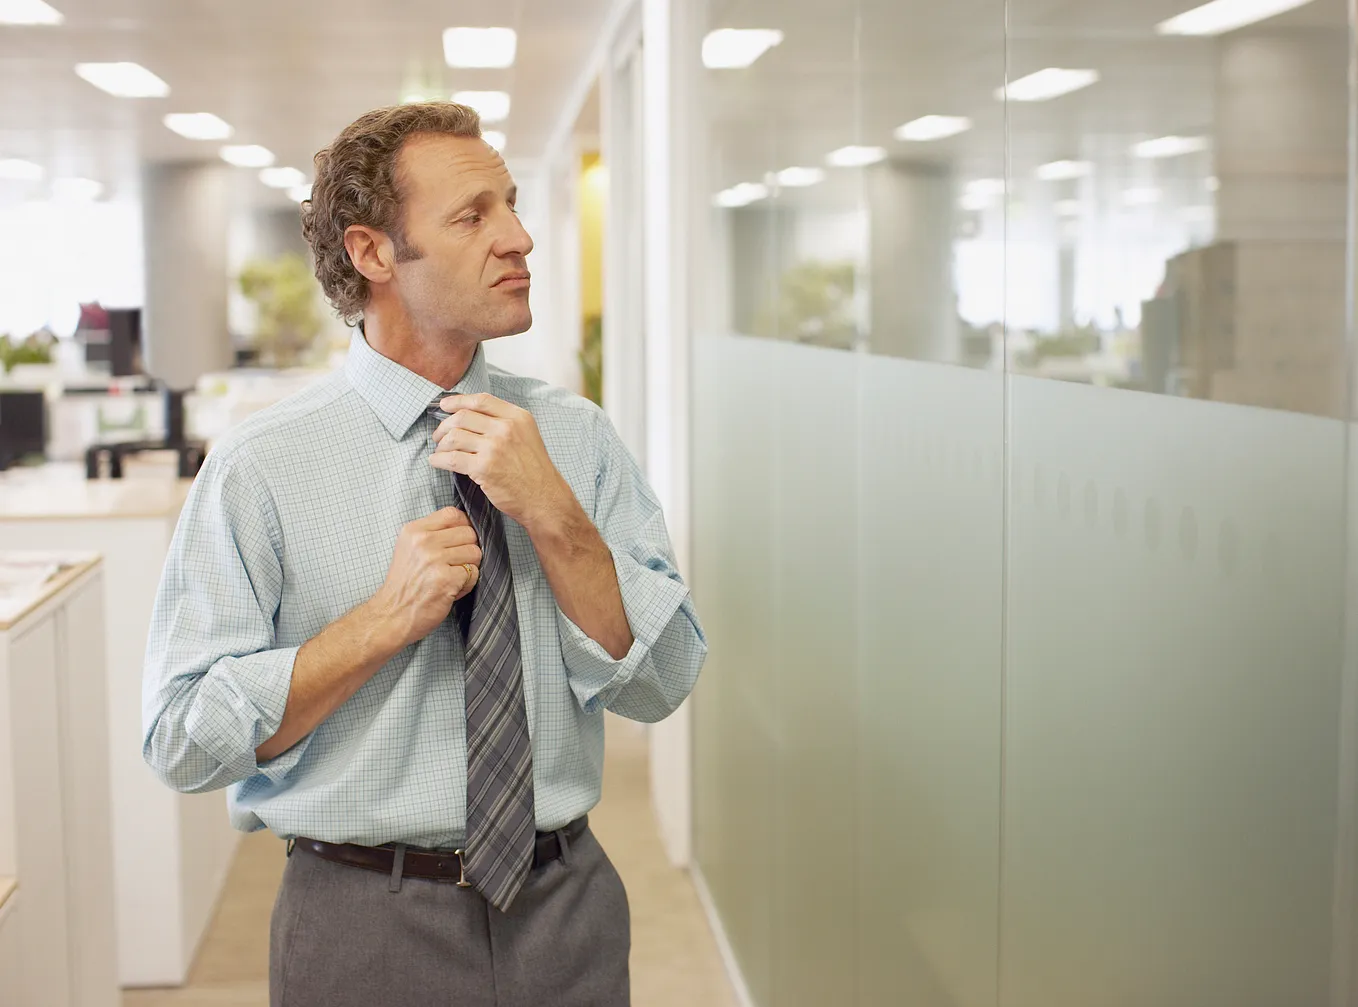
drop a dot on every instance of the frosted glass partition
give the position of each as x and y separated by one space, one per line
1173 668
1025 506
930 501
848 565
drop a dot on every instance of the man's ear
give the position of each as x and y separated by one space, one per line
371 252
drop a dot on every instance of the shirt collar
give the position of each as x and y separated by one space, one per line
399 396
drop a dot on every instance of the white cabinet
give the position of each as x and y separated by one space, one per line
172 851
55 828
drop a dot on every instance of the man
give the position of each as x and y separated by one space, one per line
398 603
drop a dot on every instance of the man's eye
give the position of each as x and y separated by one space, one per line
472 218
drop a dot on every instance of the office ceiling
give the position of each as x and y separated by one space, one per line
851 72
287 74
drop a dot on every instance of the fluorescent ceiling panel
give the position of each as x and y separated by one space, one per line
741 195
933 127
492 106
1170 146
282 178
123 80
855 157
1053 82
483 48
1221 16
985 187
198 125
1060 171
248 155
738 48
32 12
798 178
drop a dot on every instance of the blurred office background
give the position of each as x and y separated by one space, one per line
993 363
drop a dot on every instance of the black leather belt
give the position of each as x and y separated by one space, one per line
432 865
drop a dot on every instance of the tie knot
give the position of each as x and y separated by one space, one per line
434 408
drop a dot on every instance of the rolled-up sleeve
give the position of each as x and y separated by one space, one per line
668 649
215 683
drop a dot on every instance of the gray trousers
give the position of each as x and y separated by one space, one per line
341 937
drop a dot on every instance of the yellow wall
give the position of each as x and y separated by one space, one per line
593 193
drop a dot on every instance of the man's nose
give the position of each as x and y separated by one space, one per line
514 239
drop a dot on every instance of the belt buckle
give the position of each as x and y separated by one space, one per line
462 881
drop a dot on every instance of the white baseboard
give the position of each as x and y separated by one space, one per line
728 954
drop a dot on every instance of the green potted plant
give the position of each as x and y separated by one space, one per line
283 291
36 349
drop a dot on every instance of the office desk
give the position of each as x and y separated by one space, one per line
171 851
57 938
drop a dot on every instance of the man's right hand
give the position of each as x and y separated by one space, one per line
428 572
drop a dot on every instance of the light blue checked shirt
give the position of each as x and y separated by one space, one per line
292 523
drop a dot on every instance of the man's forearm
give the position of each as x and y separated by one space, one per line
580 570
331 667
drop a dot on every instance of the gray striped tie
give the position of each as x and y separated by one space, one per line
501 829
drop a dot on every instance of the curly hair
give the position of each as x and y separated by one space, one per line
357 183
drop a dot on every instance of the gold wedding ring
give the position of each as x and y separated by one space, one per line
471 571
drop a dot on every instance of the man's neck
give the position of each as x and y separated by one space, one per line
443 361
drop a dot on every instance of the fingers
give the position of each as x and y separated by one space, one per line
473 574
463 555
454 461
455 537
466 419
458 439
487 405
448 517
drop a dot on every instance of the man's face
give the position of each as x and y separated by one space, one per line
461 268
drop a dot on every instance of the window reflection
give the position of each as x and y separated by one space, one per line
1150 202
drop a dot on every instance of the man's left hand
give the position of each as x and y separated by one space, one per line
498 445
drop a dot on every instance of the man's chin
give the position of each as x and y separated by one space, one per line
513 327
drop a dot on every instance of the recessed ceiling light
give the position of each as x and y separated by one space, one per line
299 193
282 178
198 125
1068 207
247 155
737 48
28 12
985 187
14 170
1047 84
76 190
1225 15
123 80
799 178
494 137
1060 171
855 157
933 127
487 48
741 195
492 106
1170 146
1146 195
